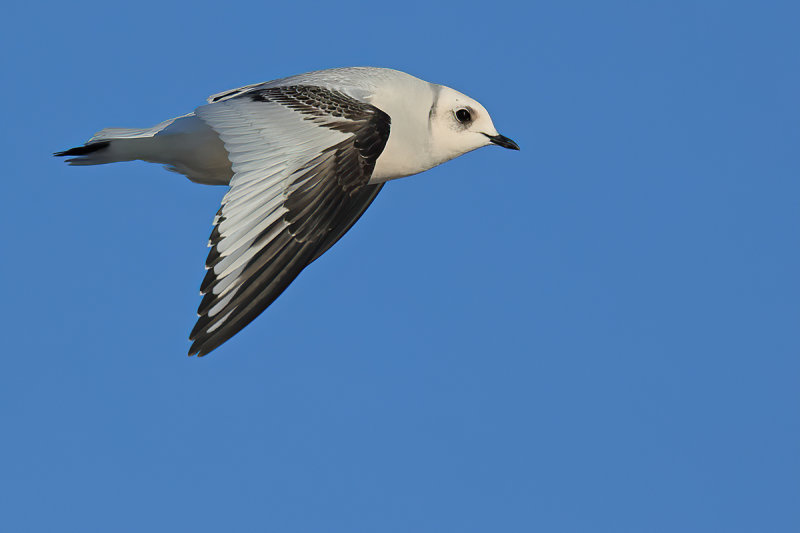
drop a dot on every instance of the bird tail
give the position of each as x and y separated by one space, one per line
115 144
184 144
92 153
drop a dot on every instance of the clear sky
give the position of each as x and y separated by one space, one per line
597 333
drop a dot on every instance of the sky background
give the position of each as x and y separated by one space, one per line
597 333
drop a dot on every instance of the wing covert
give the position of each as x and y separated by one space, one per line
302 157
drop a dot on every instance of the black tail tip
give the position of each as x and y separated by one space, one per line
86 149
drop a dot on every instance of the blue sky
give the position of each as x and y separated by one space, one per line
597 333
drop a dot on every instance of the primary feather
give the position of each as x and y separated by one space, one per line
304 157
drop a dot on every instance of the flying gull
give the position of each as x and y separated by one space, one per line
304 157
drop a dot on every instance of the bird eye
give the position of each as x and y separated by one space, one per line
463 115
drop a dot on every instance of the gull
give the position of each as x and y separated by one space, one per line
304 157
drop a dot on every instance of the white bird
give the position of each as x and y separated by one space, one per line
304 157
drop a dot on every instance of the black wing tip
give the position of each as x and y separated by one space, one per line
86 149
198 349
195 348
204 342
204 346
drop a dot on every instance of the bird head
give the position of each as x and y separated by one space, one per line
460 124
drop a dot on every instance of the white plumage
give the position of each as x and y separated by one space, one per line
304 157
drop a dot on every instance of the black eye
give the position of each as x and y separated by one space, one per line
463 115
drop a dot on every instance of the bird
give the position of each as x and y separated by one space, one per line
303 157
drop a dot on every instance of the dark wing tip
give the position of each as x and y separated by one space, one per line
205 343
195 350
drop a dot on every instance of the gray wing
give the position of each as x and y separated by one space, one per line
302 157
358 82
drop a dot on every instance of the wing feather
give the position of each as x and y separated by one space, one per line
302 157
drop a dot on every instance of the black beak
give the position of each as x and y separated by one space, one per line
502 140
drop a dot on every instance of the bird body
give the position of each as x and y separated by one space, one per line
304 157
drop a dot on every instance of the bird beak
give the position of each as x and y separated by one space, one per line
502 140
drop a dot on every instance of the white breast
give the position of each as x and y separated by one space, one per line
407 100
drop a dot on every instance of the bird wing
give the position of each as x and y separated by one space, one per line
302 157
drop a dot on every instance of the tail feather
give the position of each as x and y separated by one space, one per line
86 149
184 144
96 153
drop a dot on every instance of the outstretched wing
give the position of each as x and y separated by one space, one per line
302 157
